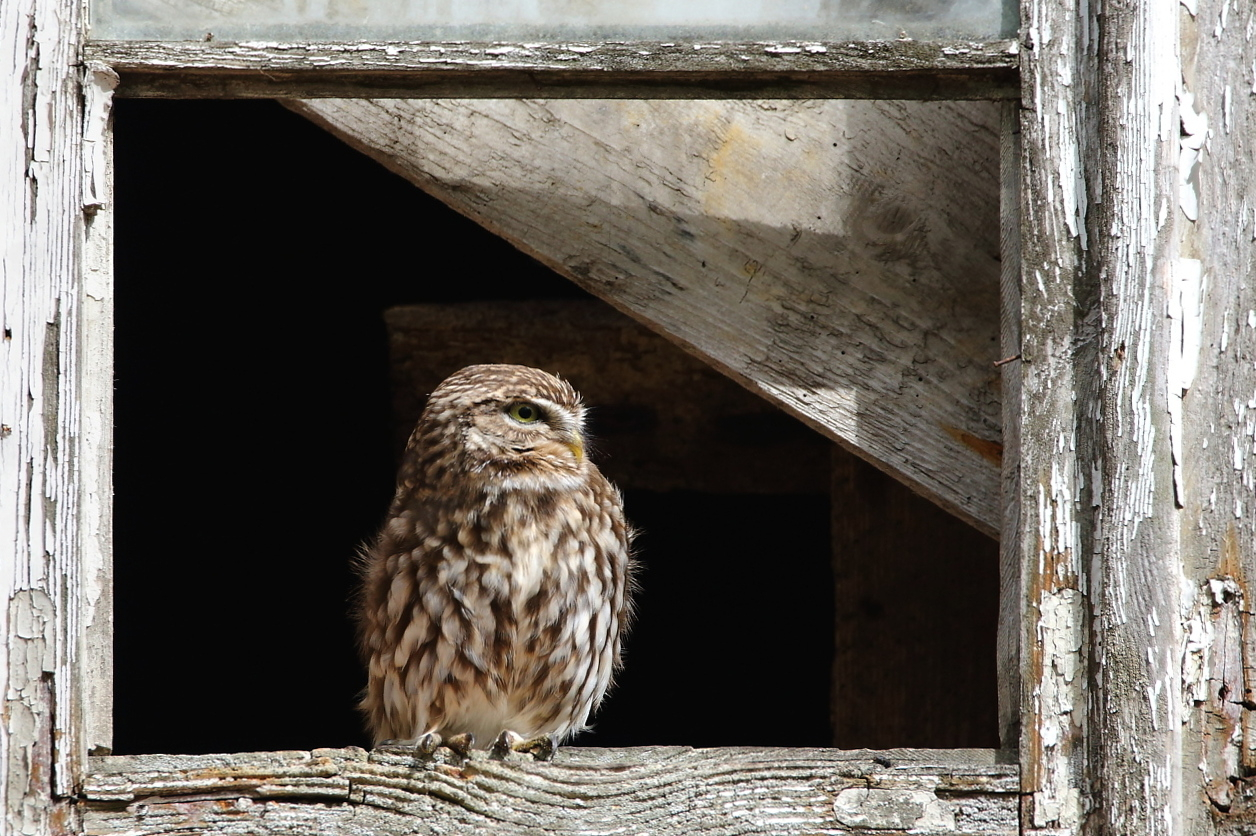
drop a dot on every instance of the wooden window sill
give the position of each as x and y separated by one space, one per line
658 789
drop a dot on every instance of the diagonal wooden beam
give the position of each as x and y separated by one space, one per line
838 258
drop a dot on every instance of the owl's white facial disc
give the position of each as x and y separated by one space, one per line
527 442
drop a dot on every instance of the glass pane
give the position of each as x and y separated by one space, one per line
553 20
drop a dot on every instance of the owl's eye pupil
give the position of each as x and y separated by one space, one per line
525 413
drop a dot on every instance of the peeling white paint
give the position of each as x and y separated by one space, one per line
1213 675
1186 331
1193 135
41 228
1060 708
1201 638
95 429
99 83
1197 635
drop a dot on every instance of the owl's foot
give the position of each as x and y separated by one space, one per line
541 747
461 744
424 745
427 744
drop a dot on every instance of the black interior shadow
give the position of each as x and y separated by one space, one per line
255 254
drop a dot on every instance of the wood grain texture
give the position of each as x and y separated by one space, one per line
899 69
1012 604
1129 728
1136 706
47 453
669 790
1212 383
1055 409
838 258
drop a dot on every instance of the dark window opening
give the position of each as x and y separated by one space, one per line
256 445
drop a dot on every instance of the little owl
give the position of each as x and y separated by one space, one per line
496 595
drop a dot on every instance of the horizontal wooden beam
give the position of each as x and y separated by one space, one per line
903 69
664 790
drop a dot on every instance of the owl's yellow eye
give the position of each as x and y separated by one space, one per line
524 412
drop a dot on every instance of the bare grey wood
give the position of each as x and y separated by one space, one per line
1136 707
838 258
1132 471
900 69
1212 397
1054 312
1011 592
647 790
666 420
52 566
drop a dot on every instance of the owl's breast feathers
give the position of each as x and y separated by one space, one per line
488 609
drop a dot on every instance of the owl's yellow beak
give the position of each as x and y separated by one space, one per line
576 446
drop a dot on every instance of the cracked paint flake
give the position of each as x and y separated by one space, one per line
1194 132
1186 320
99 83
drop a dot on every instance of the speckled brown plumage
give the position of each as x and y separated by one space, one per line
496 595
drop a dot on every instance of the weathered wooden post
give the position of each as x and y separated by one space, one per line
1135 445
55 416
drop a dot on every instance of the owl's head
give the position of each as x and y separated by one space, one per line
516 426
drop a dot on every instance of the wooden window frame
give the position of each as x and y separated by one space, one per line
906 69
1098 714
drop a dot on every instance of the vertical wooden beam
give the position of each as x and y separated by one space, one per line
42 428
1101 749
1137 629
1011 594
1212 399
96 430
1051 402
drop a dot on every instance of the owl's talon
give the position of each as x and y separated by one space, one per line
541 747
427 744
462 744
505 744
